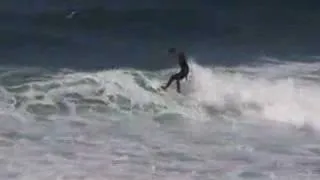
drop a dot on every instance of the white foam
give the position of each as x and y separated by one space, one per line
267 92
72 146
283 99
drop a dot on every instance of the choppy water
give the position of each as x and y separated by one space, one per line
245 122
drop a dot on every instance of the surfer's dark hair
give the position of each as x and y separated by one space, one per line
172 50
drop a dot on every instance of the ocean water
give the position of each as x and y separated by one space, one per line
230 123
79 98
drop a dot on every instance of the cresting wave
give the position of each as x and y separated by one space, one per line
287 92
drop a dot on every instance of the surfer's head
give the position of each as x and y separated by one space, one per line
172 50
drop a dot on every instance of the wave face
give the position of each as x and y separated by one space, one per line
256 121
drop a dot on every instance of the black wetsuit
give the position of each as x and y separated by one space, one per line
184 71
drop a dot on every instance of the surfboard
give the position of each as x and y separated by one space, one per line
170 92
160 91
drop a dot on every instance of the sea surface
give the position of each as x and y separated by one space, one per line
79 96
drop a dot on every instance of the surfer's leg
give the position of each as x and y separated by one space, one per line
173 77
180 76
168 83
178 86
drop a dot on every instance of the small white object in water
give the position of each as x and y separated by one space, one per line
70 16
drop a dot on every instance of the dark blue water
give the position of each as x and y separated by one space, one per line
105 34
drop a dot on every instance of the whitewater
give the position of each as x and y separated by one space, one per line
258 121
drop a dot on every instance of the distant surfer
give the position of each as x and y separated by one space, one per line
184 69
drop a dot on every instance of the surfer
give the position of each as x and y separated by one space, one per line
184 69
